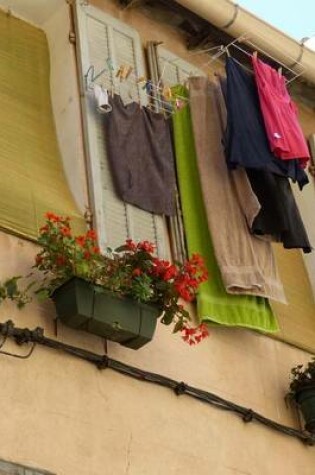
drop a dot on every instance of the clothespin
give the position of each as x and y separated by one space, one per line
148 87
227 52
179 104
255 54
167 93
128 71
109 63
280 71
119 72
141 79
123 72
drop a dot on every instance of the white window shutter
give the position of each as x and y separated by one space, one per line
174 70
104 41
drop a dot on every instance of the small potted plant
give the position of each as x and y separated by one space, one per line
302 390
119 294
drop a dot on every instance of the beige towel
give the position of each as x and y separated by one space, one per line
246 263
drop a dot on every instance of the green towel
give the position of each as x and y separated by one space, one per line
213 303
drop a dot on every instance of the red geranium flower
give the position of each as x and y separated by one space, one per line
44 229
80 240
65 231
91 234
87 255
60 260
131 246
136 272
146 246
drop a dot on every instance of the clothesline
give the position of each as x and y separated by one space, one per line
162 95
230 217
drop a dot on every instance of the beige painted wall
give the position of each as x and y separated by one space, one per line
63 415
306 198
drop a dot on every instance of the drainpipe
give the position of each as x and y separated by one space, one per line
237 21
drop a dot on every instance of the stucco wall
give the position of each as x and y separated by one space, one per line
63 415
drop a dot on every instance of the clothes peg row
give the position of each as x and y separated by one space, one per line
124 72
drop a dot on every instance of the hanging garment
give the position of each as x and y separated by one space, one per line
279 219
246 263
246 140
141 157
213 303
247 199
279 215
279 112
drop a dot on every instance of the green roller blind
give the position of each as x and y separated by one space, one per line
32 180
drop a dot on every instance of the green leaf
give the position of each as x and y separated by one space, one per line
42 294
178 326
167 317
11 286
82 268
30 285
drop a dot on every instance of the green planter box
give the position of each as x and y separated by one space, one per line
84 306
306 400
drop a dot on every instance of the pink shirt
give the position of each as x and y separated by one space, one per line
284 132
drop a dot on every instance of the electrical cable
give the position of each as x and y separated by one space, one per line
24 335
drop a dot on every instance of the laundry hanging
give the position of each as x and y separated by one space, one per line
247 143
279 112
279 218
246 263
141 157
213 303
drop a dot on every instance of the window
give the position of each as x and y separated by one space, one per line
32 180
104 40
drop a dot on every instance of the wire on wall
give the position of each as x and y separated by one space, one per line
24 336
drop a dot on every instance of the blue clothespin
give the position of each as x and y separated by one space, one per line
109 63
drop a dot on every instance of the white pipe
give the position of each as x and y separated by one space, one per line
237 21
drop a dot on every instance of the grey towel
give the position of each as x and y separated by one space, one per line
141 158
246 263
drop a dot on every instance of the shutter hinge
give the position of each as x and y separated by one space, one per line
88 217
72 38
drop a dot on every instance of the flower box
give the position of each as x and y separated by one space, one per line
84 306
305 398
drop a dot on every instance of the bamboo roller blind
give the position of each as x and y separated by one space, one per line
32 180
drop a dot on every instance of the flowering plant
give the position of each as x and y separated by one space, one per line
131 270
302 377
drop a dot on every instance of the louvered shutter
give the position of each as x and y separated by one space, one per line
174 70
105 42
168 69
